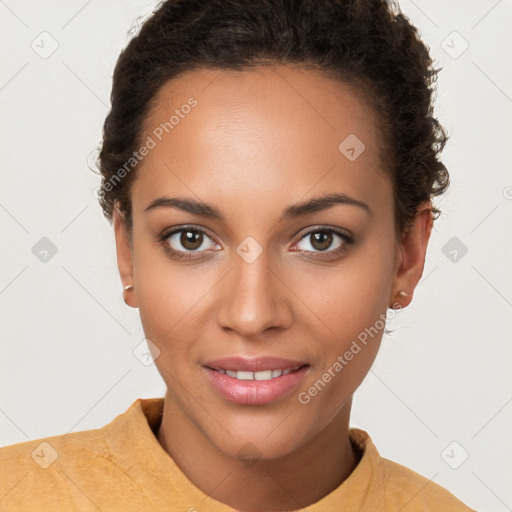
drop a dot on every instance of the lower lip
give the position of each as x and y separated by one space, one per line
255 392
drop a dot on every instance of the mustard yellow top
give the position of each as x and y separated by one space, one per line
122 467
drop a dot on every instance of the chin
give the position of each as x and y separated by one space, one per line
258 448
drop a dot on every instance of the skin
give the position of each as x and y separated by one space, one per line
257 142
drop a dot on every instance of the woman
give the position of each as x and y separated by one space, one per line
268 169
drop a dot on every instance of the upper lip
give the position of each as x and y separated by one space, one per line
255 364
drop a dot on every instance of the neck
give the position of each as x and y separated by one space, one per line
293 481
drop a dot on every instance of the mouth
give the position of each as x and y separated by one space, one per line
259 375
255 381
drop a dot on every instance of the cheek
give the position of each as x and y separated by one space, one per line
169 299
164 292
347 356
354 297
356 321
355 313
167 314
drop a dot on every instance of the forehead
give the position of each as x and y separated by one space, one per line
257 132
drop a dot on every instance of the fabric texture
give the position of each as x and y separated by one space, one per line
123 467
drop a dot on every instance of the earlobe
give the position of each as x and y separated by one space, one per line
413 248
124 257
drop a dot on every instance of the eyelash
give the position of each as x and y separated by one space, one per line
347 240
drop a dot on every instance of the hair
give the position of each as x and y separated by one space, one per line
367 44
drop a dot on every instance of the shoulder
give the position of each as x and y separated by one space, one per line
405 486
31 466
394 486
72 471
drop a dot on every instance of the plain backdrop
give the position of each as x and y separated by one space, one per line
438 398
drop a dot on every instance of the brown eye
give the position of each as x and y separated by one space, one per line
185 242
191 240
321 240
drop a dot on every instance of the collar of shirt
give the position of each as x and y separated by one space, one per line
136 450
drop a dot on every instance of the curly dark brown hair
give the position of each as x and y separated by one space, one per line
367 43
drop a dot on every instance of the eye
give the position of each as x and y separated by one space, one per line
320 239
182 243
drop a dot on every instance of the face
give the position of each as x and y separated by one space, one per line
262 277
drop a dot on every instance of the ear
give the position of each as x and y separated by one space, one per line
124 256
412 250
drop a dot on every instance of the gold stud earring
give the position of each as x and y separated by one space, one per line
397 305
127 288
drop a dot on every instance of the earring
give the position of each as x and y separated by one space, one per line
397 305
127 288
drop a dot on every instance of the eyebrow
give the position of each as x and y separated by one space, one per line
314 205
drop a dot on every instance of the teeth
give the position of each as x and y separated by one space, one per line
265 375
262 375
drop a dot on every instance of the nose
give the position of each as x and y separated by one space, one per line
254 298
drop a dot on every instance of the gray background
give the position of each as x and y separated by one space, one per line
72 351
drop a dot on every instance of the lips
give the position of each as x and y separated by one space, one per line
255 381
